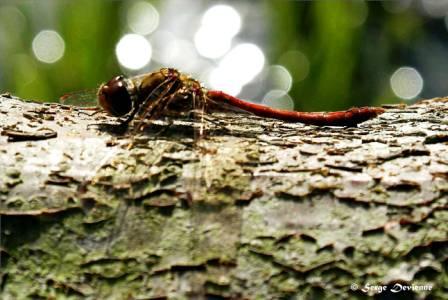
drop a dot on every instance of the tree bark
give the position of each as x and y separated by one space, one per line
252 208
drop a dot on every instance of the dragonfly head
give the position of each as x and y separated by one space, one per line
114 96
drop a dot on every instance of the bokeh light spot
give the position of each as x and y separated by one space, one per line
219 25
280 78
211 45
165 46
220 80
224 20
297 63
48 46
359 12
12 17
170 50
142 17
133 51
237 68
435 8
406 83
278 99
243 62
185 57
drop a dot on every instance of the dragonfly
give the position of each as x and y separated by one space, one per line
150 95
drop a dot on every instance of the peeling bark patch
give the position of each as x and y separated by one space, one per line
438 138
19 135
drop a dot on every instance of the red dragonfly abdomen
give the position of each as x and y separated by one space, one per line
350 117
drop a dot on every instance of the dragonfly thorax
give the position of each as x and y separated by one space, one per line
137 95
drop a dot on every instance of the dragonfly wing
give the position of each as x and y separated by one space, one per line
83 98
195 182
220 106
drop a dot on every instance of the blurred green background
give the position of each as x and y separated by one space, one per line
302 55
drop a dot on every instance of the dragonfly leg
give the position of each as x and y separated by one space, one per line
165 128
94 110
130 117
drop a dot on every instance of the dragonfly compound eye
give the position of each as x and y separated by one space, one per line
114 97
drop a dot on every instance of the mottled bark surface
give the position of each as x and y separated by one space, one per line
256 209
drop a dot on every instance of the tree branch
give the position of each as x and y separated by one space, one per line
255 208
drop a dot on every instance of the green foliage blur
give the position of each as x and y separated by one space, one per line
351 48
350 63
90 30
